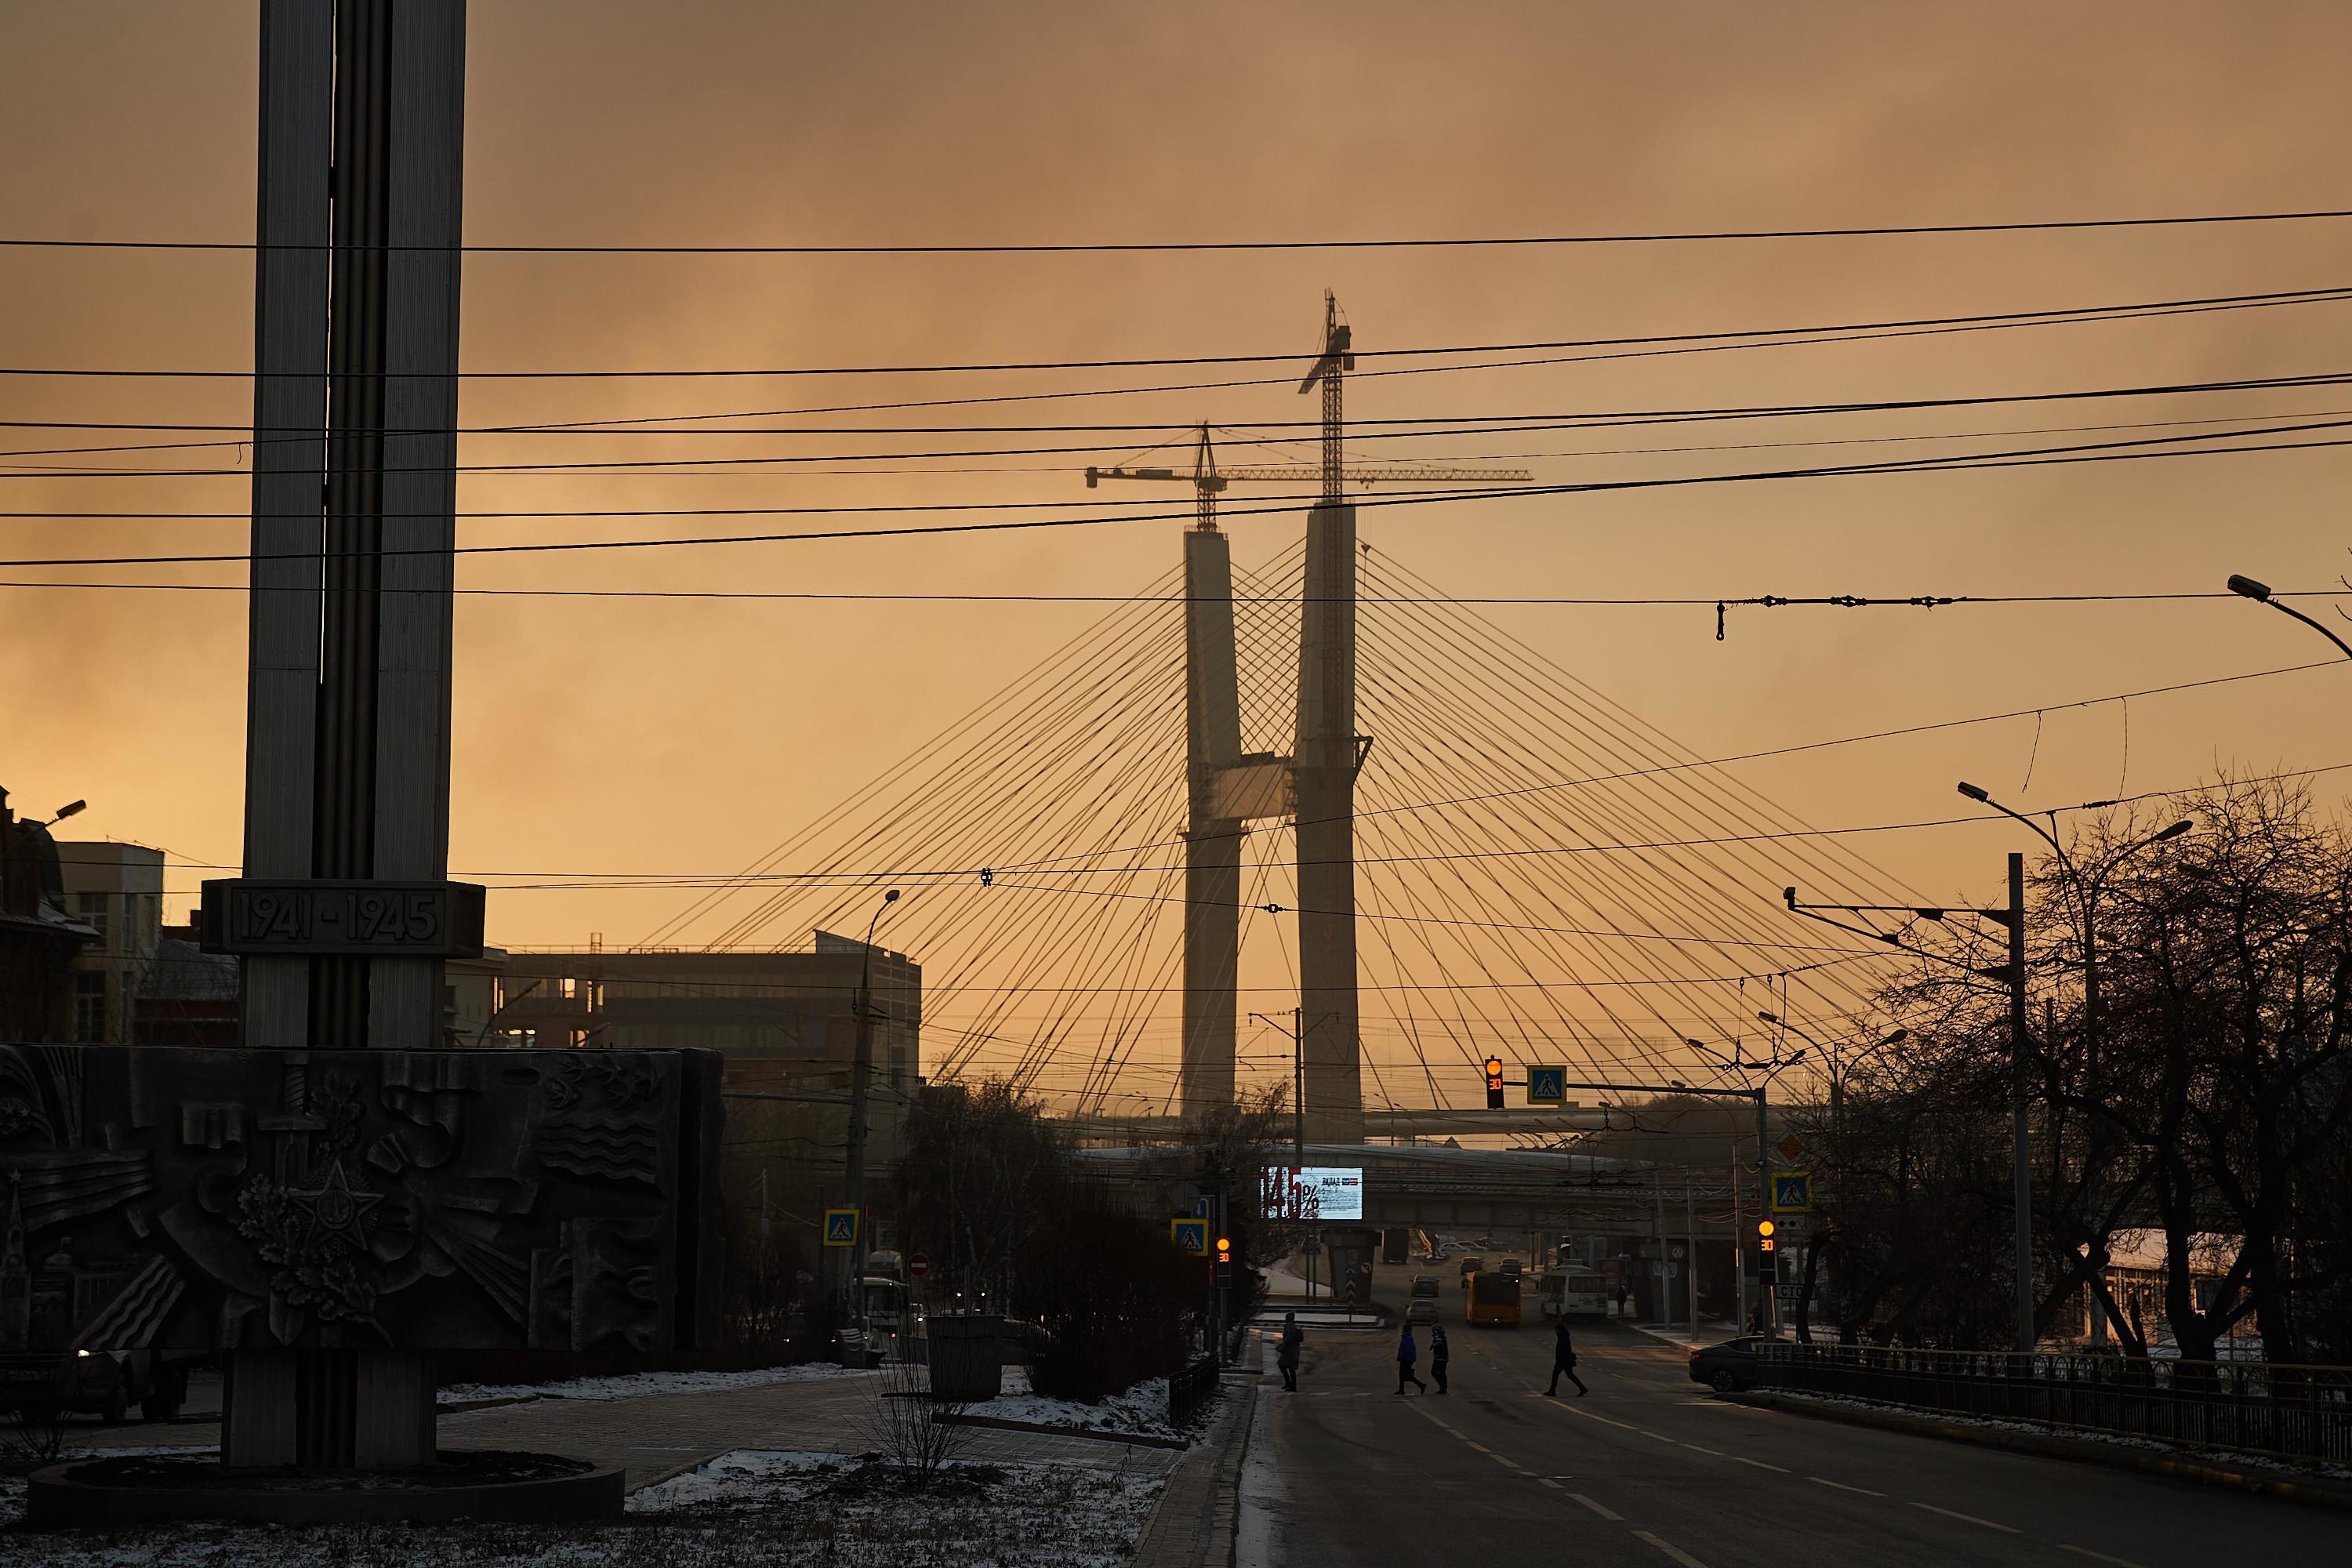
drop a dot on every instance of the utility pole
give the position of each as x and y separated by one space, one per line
1690 1251
1768 1271
1739 1240
2020 1102
1297 1082
861 1078
1664 1264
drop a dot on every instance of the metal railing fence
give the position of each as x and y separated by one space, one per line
1189 1388
2250 1407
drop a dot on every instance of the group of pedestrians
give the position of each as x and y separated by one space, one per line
1407 1356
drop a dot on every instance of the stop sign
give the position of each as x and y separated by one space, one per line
918 1266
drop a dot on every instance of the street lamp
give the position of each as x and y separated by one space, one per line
2086 902
71 808
1836 1081
2259 593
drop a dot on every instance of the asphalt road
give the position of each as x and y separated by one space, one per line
1650 1470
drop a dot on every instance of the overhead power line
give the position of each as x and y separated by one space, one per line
2090 452
658 426
1841 601
1834 331
1064 248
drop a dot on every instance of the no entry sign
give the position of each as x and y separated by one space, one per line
918 1266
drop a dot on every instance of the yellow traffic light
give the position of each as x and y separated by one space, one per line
1763 1227
1224 1246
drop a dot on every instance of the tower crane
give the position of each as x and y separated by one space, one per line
1209 481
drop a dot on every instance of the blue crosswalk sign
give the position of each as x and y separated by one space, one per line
841 1228
1547 1085
1792 1191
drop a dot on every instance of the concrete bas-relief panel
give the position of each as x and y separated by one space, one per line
179 1199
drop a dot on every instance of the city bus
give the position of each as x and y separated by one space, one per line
1493 1299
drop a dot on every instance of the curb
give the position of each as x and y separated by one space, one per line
2054 1445
1005 1423
1162 1542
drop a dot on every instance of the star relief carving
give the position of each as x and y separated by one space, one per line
334 1209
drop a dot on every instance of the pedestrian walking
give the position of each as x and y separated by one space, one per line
1285 1354
1407 1353
1438 1355
1563 1360
1621 1294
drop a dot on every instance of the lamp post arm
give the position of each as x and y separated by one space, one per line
2318 627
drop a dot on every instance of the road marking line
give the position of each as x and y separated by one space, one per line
1549 1482
1480 1447
1696 1448
1677 1552
1512 1464
1596 1508
1744 1459
1967 1517
1824 1481
2097 1556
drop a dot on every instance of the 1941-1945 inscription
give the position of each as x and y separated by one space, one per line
293 917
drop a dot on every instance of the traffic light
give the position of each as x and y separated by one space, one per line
1493 1083
1224 1261
1764 1228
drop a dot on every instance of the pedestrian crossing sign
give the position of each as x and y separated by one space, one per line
1547 1085
1792 1191
841 1228
1190 1235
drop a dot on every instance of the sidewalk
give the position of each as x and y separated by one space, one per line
655 1435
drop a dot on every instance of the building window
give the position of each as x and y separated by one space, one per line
89 1007
91 908
126 1011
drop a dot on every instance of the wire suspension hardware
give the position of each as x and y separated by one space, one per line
1841 601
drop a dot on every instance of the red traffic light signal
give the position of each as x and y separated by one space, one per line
1493 1083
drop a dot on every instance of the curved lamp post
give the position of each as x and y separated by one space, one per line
2259 593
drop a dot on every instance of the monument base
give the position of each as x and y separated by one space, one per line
493 1485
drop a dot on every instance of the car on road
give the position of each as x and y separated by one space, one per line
1471 1266
1727 1367
1420 1309
1424 1284
1509 1265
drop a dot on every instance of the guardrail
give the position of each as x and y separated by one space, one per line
1190 1388
2249 1407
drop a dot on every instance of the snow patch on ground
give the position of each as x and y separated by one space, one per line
1141 1410
749 1508
632 1385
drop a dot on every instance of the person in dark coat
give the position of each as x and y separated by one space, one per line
1285 1355
1407 1353
1438 1354
1563 1360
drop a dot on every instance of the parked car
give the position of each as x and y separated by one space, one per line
1425 1285
1421 1309
1727 1367
105 1384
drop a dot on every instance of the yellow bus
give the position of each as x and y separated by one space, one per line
1494 1299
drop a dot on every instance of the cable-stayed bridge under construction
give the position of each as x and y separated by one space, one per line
1315 824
